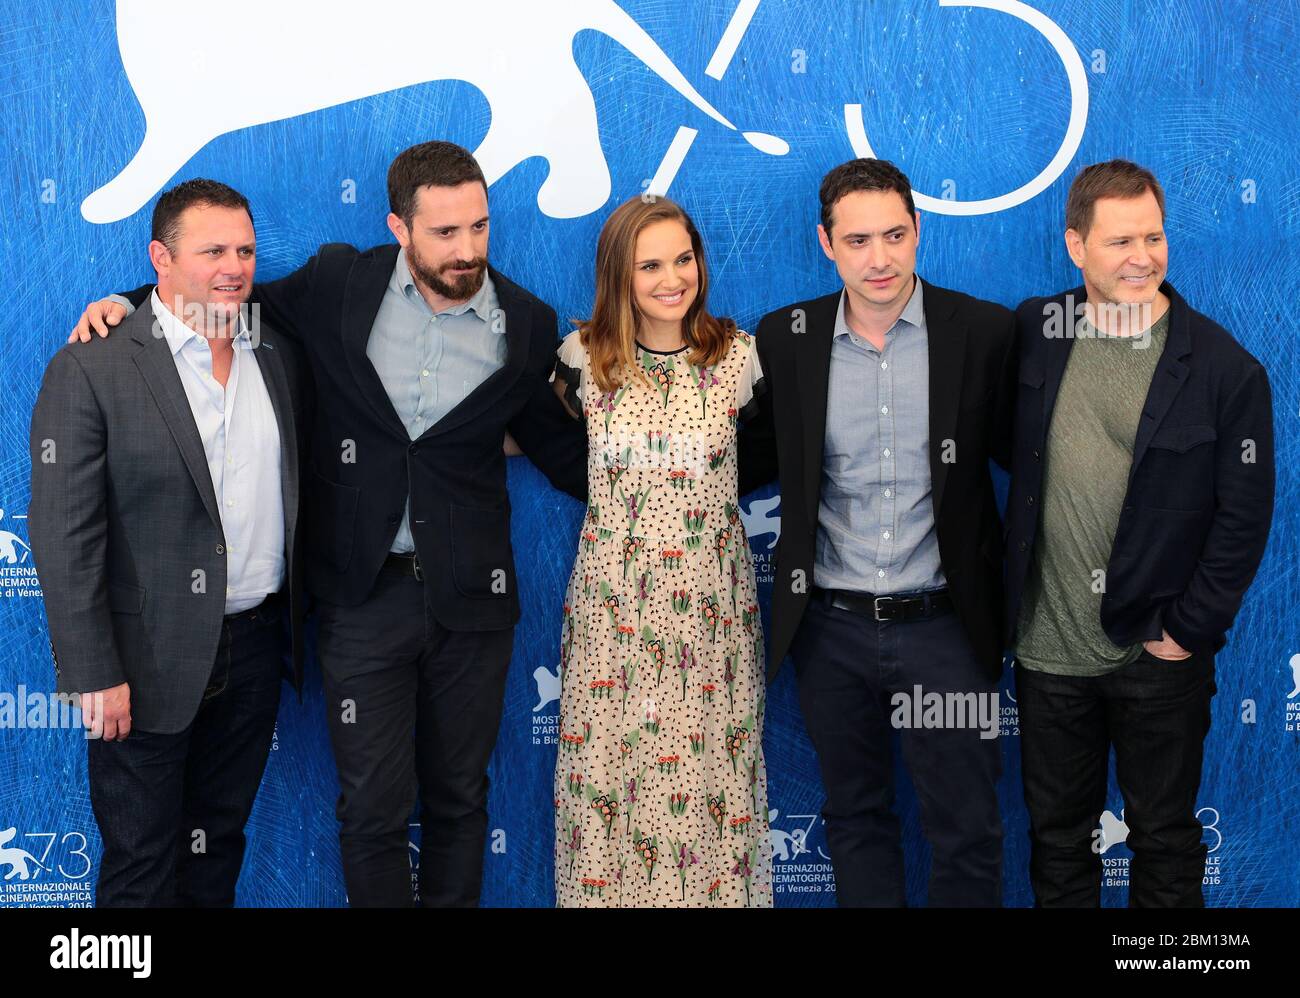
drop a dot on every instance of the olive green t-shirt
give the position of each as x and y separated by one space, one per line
1085 477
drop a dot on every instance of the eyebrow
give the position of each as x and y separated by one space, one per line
689 249
216 245
864 235
440 228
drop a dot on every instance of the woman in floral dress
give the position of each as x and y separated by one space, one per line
660 787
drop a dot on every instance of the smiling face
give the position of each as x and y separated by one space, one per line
873 240
1124 256
207 272
446 239
665 275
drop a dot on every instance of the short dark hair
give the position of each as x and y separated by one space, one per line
199 191
864 175
1115 178
436 164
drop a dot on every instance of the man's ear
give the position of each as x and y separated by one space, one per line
824 238
1074 245
398 228
160 256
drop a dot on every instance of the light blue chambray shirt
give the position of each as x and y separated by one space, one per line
875 530
429 362
241 438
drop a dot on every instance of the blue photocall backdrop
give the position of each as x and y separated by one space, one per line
990 107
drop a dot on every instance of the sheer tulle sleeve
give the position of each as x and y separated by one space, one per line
570 363
751 386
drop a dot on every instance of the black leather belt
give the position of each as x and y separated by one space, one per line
407 564
902 606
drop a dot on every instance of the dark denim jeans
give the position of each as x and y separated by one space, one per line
171 808
410 704
849 666
1156 714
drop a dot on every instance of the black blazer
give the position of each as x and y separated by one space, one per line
363 464
125 526
972 378
1196 516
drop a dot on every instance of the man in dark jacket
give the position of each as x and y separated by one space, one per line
886 401
1141 496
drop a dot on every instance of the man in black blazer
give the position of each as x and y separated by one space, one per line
886 401
423 357
164 523
1141 498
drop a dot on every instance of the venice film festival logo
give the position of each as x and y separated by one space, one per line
1114 831
1293 698
541 105
17 571
44 869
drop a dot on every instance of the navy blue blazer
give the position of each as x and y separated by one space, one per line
1196 515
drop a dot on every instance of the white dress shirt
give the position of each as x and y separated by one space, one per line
241 439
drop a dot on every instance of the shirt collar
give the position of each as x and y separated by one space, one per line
178 335
913 312
482 304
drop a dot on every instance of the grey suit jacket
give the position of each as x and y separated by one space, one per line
124 524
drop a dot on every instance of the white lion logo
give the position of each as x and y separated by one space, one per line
761 519
13 549
279 60
548 686
1113 830
15 857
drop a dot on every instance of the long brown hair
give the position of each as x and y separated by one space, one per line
610 334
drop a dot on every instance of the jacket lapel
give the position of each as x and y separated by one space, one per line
812 353
1169 377
271 363
516 313
158 369
367 282
946 351
1056 353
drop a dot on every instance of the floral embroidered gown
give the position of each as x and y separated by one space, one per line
660 787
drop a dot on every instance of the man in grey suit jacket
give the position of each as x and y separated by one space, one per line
164 525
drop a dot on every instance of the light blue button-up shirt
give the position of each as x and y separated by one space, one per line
429 362
875 530
241 439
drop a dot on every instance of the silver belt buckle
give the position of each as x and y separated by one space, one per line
415 567
875 606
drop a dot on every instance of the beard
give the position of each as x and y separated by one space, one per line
458 288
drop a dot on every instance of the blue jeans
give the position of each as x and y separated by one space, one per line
849 667
1156 713
171 808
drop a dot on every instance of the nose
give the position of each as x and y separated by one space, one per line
465 247
1140 257
233 264
877 254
